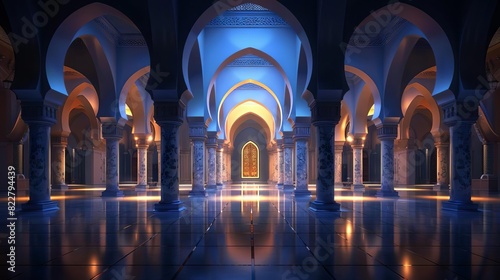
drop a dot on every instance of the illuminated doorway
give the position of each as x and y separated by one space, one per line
250 161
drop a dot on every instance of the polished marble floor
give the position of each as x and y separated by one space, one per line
256 232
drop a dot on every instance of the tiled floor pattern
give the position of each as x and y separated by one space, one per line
256 232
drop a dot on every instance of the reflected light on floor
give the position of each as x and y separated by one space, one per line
356 198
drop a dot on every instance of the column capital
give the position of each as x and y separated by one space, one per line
358 142
142 141
325 111
387 130
212 140
287 138
339 146
59 140
112 130
301 128
457 111
197 128
441 139
43 113
169 112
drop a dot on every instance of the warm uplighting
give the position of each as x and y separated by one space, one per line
349 138
128 111
150 138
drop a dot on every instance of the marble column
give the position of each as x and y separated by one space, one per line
169 115
229 164
442 145
219 168
198 135
301 133
39 117
142 169
386 134
339 148
287 161
325 114
280 163
488 161
158 150
404 162
460 167
112 132
59 144
19 157
211 161
224 164
357 156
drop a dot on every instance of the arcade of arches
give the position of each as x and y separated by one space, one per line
380 112
307 96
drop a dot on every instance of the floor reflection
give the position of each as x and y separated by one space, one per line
256 231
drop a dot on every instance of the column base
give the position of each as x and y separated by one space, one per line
61 187
202 193
174 206
279 186
459 206
441 187
302 193
488 176
220 186
317 206
387 193
288 187
210 187
358 187
141 188
39 206
112 193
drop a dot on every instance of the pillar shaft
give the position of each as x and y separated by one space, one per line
198 146
158 151
281 162
59 163
169 200
142 160
287 161
357 170
460 168
211 161
169 115
301 134
219 169
112 132
387 133
488 160
325 167
339 148
443 157
39 117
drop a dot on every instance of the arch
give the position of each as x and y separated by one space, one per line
250 161
129 83
219 7
67 32
427 101
435 36
371 86
250 81
244 52
250 107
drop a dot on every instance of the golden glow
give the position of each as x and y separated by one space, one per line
248 146
371 111
250 81
349 138
150 138
246 107
128 111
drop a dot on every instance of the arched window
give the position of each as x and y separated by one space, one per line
250 160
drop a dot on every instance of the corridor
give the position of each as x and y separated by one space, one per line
251 231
